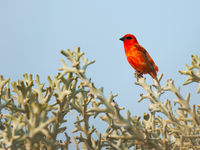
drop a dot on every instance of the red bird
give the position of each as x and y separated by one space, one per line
138 57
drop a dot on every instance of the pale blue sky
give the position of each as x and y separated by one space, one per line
33 32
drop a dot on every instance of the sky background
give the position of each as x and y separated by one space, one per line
32 33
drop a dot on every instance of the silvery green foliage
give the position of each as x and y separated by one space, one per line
32 114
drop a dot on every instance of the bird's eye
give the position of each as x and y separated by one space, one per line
128 38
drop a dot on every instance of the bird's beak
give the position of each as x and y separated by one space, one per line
122 38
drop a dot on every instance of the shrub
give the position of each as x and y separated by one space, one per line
32 115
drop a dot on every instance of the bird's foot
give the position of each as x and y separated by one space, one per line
138 75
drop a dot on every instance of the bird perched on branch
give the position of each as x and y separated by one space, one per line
138 57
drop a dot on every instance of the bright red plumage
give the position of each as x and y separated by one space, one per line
138 57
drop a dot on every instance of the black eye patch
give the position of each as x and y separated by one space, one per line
128 38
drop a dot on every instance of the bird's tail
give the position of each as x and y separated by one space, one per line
154 76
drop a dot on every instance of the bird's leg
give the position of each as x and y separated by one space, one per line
138 75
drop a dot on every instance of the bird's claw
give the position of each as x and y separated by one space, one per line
138 75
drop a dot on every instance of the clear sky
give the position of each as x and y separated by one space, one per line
33 32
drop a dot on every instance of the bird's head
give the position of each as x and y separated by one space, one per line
129 39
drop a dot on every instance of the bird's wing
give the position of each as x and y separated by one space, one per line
148 57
